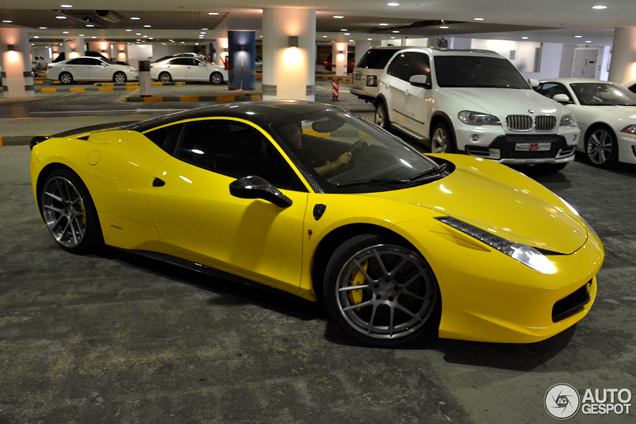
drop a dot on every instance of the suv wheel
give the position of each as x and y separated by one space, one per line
381 117
442 140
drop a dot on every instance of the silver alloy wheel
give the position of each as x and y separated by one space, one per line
64 211
119 77
380 116
216 78
165 77
599 146
439 142
385 292
66 78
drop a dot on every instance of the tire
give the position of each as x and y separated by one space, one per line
442 140
601 147
381 117
66 78
165 77
216 78
69 212
119 77
400 306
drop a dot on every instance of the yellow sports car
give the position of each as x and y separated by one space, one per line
311 199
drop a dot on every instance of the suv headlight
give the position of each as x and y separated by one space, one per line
477 118
568 120
525 254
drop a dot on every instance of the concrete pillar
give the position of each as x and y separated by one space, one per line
623 63
74 47
339 54
361 49
289 54
17 76
242 56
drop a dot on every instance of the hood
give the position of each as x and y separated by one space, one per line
506 101
502 201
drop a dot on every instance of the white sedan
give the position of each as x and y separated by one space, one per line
85 68
187 69
605 113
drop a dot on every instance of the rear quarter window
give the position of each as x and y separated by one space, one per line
375 59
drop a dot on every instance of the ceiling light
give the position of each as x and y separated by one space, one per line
599 7
588 41
578 36
66 5
444 27
128 30
213 13
347 33
61 17
338 17
145 36
478 19
138 33
134 18
7 22
147 26
204 29
35 36
93 36
393 4
81 35
90 25
369 39
524 38
64 32
396 32
43 27
393 37
344 29
384 24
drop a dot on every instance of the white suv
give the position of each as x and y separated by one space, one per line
474 102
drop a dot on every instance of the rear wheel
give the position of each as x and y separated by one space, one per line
69 212
381 117
165 77
216 78
66 78
442 140
601 147
119 77
381 291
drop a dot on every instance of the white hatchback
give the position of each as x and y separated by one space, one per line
474 102
85 68
187 69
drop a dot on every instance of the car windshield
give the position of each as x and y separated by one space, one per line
477 71
603 94
344 153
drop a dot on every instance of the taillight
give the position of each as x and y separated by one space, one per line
372 81
50 66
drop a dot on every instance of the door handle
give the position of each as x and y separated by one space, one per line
158 182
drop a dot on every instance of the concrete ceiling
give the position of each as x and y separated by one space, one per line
539 20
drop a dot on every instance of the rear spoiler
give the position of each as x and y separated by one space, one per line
110 126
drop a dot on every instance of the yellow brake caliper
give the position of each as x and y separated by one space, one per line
357 279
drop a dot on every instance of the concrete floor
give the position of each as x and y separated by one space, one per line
121 339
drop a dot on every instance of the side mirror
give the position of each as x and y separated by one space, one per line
533 82
420 81
561 98
254 187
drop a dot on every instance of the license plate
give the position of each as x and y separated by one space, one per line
532 147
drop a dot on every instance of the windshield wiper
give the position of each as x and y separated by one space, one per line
438 171
371 181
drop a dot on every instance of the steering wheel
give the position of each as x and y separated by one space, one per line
358 152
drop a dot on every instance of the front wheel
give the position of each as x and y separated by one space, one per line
382 292
601 148
381 117
119 77
216 78
69 212
442 140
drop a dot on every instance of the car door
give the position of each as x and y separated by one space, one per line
177 68
78 68
398 89
195 214
418 101
98 70
197 71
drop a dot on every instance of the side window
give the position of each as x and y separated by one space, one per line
94 62
179 62
394 65
166 137
404 71
551 89
235 150
421 65
192 62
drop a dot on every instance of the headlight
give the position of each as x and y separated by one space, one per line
568 120
630 129
525 254
477 118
